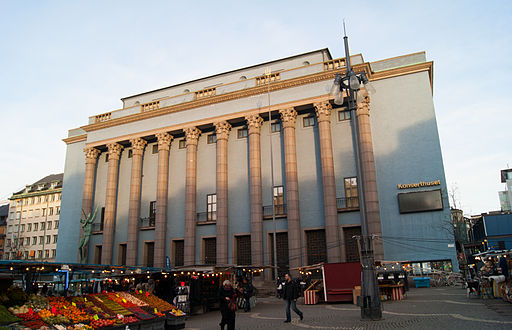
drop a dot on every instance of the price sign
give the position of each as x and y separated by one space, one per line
124 300
65 307
85 299
156 311
117 295
73 304
95 317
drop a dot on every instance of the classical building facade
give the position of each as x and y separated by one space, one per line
33 221
191 171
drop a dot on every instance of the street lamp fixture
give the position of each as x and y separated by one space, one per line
349 85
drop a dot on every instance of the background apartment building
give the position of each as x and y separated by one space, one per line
33 222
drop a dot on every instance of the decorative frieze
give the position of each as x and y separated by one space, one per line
222 129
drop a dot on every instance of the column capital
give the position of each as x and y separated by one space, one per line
288 117
191 135
222 129
323 111
138 145
114 150
164 140
363 107
91 154
254 123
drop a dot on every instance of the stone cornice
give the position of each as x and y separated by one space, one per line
275 86
74 139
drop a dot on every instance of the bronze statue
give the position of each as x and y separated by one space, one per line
86 222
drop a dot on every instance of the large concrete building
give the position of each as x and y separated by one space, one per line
33 222
185 171
506 195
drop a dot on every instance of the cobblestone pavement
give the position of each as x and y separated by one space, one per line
423 308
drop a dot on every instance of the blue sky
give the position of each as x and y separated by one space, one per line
62 61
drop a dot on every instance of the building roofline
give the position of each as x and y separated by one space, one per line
232 71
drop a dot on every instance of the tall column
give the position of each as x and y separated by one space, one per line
288 117
114 151
164 142
222 131
323 113
192 135
254 123
369 175
91 155
138 145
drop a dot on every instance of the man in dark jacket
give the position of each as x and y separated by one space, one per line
290 294
227 302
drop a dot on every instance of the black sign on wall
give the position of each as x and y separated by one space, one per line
420 201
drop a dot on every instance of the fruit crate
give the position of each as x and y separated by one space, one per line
156 324
175 322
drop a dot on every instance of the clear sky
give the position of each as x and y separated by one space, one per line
62 61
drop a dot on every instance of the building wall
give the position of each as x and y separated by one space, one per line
406 149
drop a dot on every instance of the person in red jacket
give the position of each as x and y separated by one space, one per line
291 292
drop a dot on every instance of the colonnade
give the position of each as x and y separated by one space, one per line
222 128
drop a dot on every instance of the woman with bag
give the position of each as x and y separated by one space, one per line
227 299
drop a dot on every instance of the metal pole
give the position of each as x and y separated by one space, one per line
268 75
370 304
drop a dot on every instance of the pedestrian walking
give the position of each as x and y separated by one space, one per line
290 295
247 290
227 300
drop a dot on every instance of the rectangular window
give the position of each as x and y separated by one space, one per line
351 192
52 197
21 241
40 254
16 228
9 229
152 213
102 218
351 243
154 150
47 254
282 252
57 210
278 194
25 255
179 253
48 239
276 127
43 225
11 216
243 250
316 246
22 228
210 251
212 138
18 215
242 133
34 240
41 238
149 251
211 207
27 241
309 121
56 224
343 115
29 227
49 225
38 213
44 212
97 254
130 153
54 239
121 257
24 215
54 253
8 242
182 144
50 211
31 213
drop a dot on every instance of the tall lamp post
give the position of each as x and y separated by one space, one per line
350 85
